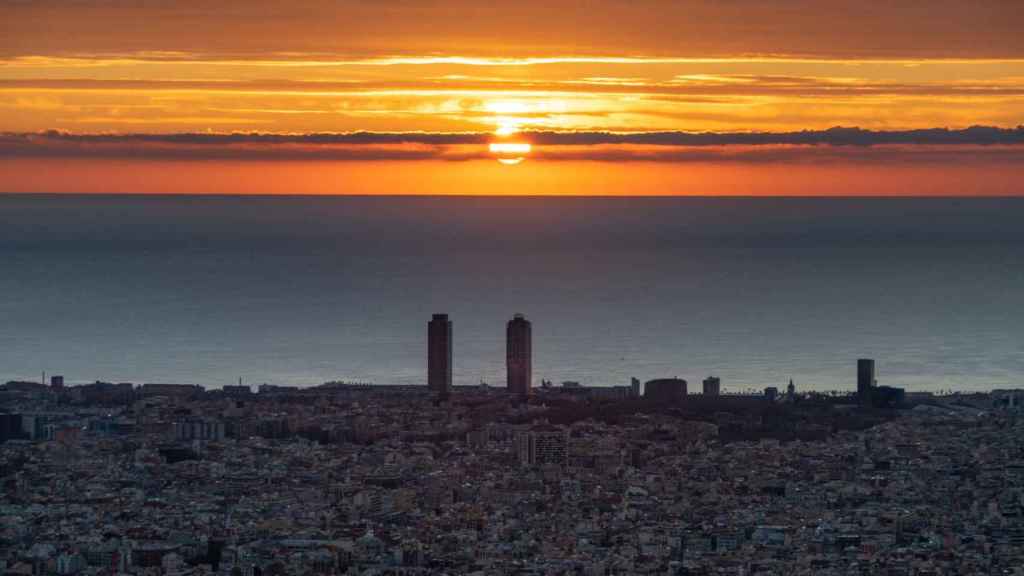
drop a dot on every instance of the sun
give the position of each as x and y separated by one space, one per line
510 147
508 121
510 153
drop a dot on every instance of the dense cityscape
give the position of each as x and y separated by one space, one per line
641 478
262 263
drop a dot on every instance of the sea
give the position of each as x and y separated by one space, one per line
299 290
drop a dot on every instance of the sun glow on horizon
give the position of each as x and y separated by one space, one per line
507 127
510 153
539 111
506 116
510 147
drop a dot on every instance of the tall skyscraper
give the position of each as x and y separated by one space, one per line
865 379
712 386
439 355
518 355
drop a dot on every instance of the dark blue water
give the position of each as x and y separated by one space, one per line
306 289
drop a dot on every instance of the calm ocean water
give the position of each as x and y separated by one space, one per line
299 290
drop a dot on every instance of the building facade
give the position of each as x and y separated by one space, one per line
183 391
666 390
712 386
519 355
634 386
865 379
439 355
206 429
545 446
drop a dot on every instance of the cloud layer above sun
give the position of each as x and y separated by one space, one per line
192 93
458 66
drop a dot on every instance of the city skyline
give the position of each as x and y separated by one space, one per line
519 378
372 480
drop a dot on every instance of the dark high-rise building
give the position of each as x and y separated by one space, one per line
519 355
665 390
10 427
865 379
712 386
439 355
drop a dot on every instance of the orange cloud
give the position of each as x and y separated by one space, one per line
693 28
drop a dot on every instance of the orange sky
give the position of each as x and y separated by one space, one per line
459 66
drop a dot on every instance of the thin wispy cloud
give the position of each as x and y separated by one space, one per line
738 86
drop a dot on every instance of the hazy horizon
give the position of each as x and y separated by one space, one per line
301 290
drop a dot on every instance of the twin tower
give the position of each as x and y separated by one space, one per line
518 355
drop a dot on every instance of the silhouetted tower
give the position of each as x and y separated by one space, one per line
712 386
865 379
791 389
518 355
439 355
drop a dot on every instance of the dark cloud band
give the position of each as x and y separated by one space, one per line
833 143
